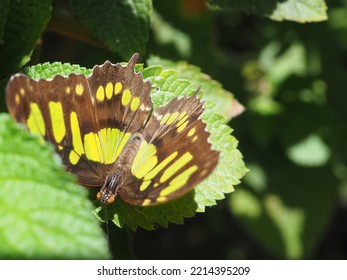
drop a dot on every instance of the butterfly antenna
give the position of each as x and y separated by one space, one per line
107 226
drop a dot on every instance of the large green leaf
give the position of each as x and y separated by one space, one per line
25 21
45 214
122 26
294 10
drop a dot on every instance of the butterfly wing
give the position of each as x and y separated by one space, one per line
174 157
122 97
89 120
122 104
53 109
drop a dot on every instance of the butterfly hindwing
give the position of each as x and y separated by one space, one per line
176 154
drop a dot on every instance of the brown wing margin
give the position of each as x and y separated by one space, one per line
121 96
184 140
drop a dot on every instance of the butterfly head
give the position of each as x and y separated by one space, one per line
108 192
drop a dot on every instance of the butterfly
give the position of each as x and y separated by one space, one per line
106 131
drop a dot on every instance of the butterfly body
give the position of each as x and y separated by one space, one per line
106 131
119 170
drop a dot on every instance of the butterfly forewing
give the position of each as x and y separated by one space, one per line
122 98
122 104
53 110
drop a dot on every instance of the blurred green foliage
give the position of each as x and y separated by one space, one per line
290 77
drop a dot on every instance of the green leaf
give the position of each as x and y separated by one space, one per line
45 214
301 11
311 151
224 101
49 70
167 85
279 66
293 10
25 22
122 26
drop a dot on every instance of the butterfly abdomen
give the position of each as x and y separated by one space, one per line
119 170
127 156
